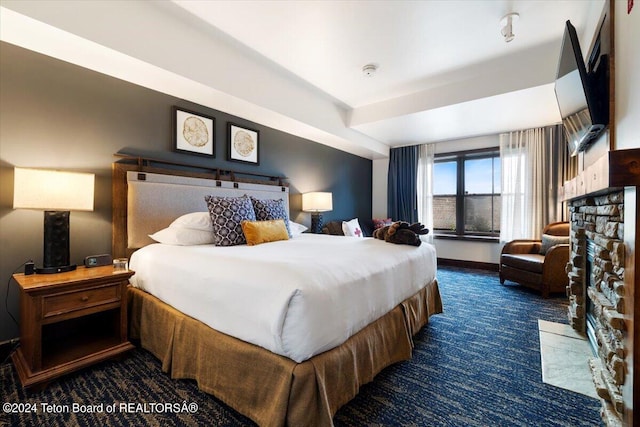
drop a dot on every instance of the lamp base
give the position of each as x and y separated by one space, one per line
53 270
316 223
56 243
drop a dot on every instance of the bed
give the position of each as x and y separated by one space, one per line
284 332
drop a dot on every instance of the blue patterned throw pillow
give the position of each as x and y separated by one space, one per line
271 209
227 214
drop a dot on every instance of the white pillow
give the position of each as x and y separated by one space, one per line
195 221
190 229
182 236
352 228
296 229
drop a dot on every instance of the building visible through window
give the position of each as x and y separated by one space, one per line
466 193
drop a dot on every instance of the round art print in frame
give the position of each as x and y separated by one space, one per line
193 132
243 145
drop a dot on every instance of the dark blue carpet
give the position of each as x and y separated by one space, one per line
477 364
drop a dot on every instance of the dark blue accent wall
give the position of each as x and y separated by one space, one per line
57 115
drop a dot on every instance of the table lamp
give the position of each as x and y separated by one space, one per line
57 193
316 202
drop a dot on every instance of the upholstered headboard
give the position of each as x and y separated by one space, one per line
147 200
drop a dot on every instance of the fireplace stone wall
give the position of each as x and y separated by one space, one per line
600 219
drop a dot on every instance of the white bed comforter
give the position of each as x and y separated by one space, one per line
296 298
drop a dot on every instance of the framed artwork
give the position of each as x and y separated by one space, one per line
193 132
244 145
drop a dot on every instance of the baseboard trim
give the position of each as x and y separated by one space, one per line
468 264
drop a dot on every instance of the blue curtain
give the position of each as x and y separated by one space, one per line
402 182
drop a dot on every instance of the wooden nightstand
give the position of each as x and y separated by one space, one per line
69 321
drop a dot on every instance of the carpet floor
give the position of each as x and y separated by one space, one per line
476 364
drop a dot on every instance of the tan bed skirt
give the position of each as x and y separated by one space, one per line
273 390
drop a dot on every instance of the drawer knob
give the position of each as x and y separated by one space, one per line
85 298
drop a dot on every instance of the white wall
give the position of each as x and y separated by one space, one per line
486 252
478 142
627 64
627 84
380 169
627 113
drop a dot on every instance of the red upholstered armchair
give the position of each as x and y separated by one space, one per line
538 264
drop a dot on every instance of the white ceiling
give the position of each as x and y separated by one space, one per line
444 69
444 72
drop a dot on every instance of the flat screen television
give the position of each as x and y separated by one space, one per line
582 96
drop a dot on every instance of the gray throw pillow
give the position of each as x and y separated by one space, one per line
269 209
548 241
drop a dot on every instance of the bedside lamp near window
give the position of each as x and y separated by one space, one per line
57 193
315 203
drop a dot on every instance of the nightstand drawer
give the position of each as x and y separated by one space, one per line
54 305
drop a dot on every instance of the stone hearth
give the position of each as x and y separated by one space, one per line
600 219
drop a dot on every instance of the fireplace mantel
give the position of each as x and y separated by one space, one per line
614 170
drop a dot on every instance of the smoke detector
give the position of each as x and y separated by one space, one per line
506 23
369 70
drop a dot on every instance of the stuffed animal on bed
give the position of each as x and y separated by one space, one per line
402 233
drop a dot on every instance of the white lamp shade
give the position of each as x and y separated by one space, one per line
53 190
317 202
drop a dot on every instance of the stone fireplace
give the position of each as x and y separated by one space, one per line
596 293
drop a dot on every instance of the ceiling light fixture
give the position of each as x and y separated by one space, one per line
506 23
369 70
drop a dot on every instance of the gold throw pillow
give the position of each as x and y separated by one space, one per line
257 232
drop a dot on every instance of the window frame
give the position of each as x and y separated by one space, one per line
460 157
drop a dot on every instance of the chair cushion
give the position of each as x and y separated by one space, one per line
334 228
526 262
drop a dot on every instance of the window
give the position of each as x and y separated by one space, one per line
466 193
